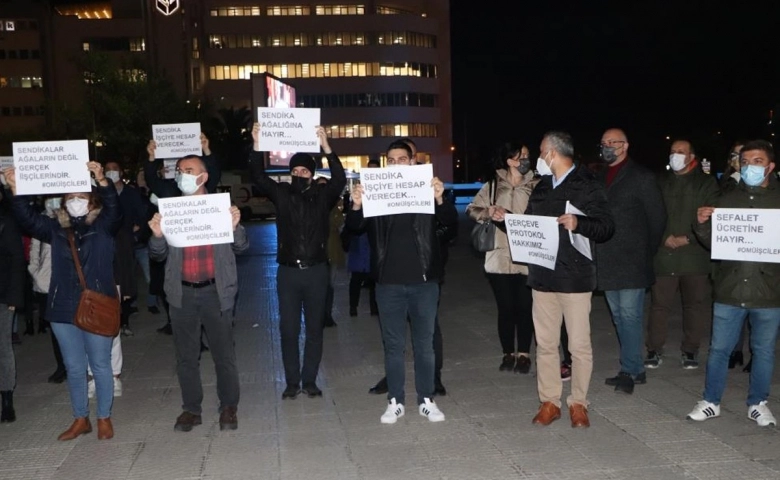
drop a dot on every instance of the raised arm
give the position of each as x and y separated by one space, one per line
110 218
211 161
264 183
158 186
37 225
338 178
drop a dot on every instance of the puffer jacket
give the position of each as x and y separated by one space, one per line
515 200
738 283
40 265
94 238
574 272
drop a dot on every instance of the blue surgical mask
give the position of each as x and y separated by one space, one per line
187 183
753 175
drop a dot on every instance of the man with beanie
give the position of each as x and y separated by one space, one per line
302 221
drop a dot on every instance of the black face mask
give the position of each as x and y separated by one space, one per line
525 166
608 154
300 184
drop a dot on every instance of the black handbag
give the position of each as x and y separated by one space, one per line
483 235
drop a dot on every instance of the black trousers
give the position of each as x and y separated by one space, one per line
515 320
302 290
356 281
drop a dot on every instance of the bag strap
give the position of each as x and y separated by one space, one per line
76 259
494 188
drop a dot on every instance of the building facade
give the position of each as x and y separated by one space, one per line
378 70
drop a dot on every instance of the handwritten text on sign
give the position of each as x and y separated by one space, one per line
46 168
746 234
288 129
197 220
394 190
533 239
177 140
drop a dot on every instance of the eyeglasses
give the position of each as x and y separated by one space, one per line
611 143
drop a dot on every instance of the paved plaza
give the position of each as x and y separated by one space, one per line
487 434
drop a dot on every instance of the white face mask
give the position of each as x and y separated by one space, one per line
153 199
113 175
77 207
187 183
52 204
542 167
677 161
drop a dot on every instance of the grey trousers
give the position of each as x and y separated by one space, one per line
200 307
7 359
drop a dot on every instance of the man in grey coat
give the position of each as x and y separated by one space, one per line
624 264
201 284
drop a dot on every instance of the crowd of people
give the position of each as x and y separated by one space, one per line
644 233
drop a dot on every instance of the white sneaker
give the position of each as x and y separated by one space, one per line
91 388
393 413
705 410
117 387
431 411
761 414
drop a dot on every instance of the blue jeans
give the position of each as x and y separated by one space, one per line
628 308
142 257
726 325
418 302
79 347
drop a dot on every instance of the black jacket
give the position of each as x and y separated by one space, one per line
573 273
429 244
625 261
302 219
12 263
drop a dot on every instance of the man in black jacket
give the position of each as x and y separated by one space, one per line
625 262
302 222
407 265
564 294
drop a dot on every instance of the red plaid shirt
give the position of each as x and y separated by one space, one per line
198 264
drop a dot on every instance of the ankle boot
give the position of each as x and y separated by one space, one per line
8 414
79 426
105 429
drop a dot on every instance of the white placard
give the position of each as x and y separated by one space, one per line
176 140
746 234
196 220
47 168
6 162
580 242
288 129
533 239
394 190
169 168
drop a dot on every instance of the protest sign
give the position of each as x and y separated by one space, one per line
288 129
6 162
746 234
47 168
533 239
580 242
196 220
177 140
169 168
394 190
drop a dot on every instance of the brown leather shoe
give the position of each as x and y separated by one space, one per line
579 416
105 429
228 419
547 414
186 421
79 426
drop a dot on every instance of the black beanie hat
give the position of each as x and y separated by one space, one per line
303 160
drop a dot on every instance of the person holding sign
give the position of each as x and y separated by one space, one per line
564 294
201 284
743 288
93 218
303 226
624 263
166 188
508 193
407 265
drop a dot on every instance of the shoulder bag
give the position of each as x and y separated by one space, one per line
483 235
97 313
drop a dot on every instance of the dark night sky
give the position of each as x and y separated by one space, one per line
681 68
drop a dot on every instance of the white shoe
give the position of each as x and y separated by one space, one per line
761 414
393 413
431 411
91 388
705 410
117 387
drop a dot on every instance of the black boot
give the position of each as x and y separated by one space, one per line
8 414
